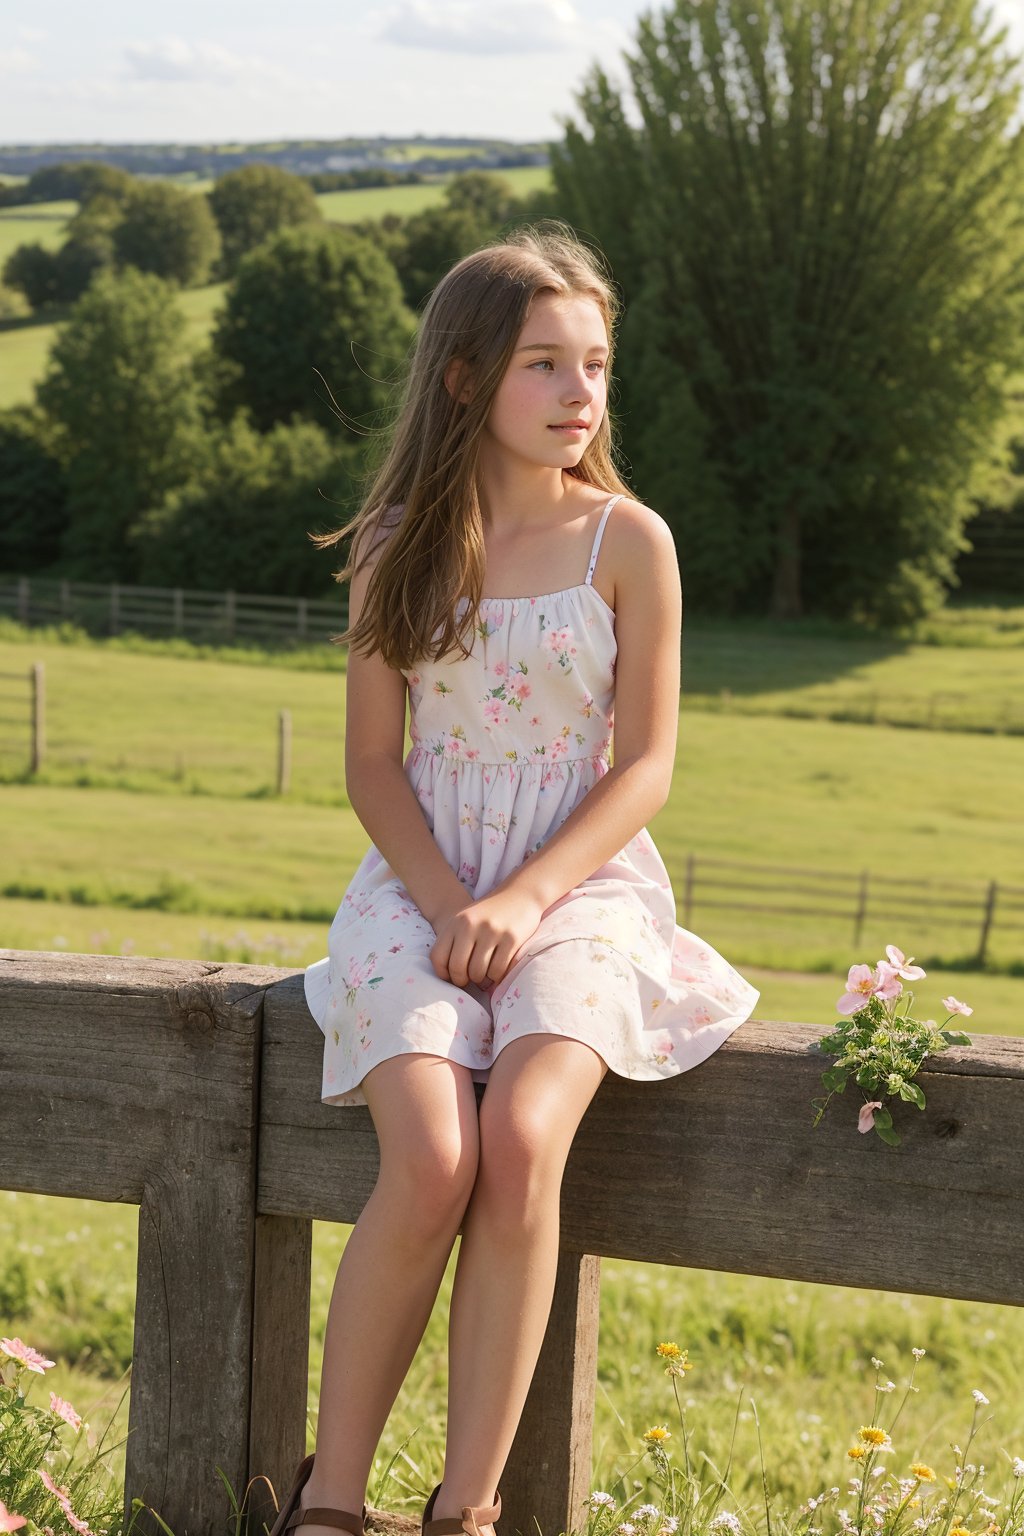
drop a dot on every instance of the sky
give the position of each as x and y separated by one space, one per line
216 70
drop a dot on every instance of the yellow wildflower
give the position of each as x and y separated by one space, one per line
670 1351
873 1435
657 1434
922 1471
960 1530
913 1503
856 1451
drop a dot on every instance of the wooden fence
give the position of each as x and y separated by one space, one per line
193 1091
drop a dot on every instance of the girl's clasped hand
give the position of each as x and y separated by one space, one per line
480 940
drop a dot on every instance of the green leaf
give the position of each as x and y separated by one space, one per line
888 1134
955 1037
913 1094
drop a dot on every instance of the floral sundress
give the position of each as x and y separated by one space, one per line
505 744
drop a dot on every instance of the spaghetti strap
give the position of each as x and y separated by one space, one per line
598 536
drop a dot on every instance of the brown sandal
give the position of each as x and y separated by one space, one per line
290 1515
447 1525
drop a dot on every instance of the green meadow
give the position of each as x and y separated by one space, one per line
25 344
154 829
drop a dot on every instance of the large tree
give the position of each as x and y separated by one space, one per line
255 201
124 403
243 516
816 224
168 231
313 300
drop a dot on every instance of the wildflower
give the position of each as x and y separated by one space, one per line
668 1527
917 1353
952 1006
960 1530
726 1521
29 1357
890 1386
1018 1466
602 1501
901 966
979 1397
10 1521
657 1435
670 1351
646 1512
63 1409
922 1471
872 1435
866 1122
856 1452
678 1364
625 1529
876 1363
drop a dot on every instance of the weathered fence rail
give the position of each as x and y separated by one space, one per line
192 1091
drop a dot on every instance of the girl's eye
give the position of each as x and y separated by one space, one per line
545 362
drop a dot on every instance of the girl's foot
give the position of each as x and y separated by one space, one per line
317 1500
444 1509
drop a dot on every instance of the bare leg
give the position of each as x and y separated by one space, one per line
425 1115
537 1092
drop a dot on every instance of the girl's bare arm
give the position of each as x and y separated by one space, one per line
376 783
648 622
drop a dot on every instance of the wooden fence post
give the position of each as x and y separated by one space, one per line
862 906
986 921
546 1480
284 750
38 680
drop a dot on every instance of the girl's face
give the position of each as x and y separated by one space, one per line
556 375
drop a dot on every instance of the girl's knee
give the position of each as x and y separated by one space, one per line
521 1162
432 1177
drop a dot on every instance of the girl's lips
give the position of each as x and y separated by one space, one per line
566 429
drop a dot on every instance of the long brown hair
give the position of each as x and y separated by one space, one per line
424 493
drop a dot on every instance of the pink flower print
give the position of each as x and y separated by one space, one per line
453 746
587 707
358 974
469 818
561 643
495 712
535 719
467 871
520 688
559 747
472 753
396 949
500 669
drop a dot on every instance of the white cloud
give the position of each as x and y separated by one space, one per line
17 61
32 35
172 60
467 26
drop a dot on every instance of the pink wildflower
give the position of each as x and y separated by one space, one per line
861 984
866 1118
902 965
64 1410
29 1357
952 1006
9 1521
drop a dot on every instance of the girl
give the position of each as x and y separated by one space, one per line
512 924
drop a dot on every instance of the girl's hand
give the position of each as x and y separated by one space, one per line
480 941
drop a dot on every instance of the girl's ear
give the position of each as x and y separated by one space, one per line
458 380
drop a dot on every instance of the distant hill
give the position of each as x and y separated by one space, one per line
303 156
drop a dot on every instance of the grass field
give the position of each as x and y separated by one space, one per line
24 346
180 817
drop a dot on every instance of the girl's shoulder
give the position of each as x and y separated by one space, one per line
637 534
374 533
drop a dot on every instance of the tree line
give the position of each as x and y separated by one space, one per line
813 219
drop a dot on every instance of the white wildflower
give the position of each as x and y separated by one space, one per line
601 1500
979 1397
726 1520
